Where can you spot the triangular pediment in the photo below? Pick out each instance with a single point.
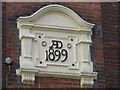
(55, 15)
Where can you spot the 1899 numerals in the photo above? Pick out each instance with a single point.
(55, 55)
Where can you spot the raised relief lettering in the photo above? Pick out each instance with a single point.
(57, 44)
(55, 52)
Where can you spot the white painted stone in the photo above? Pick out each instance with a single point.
(55, 22)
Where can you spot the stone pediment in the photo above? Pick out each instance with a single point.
(56, 16)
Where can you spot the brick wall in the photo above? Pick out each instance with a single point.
(110, 43)
(103, 50)
(0, 45)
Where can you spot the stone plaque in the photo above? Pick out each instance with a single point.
(55, 41)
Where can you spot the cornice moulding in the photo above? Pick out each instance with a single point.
(58, 8)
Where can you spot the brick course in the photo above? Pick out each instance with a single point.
(110, 43)
(103, 50)
(0, 45)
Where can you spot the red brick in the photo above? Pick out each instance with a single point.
(104, 48)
